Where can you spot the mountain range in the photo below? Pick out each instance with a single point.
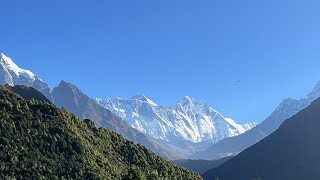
(188, 130)
(172, 132)
(40, 141)
(35, 134)
(291, 152)
(71, 98)
(188, 120)
(74, 100)
(235, 145)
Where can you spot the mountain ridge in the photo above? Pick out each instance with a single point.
(83, 106)
(74, 100)
(40, 141)
(12, 74)
(199, 121)
(290, 152)
(234, 145)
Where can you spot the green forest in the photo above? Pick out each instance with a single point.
(40, 141)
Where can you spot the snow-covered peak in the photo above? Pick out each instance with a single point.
(138, 96)
(8, 64)
(242, 128)
(143, 98)
(8, 61)
(186, 99)
(12, 74)
(190, 104)
(315, 93)
(188, 120)
(189, 100)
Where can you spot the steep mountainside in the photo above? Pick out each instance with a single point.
(234, 145)
(39, 141)
(70, 97)
(27, 93)
(78, 103)
(188, 120)
(291, 152)
(12, 74)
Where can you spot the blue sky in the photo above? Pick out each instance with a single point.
(169, 49)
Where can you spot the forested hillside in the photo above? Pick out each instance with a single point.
(40, 141)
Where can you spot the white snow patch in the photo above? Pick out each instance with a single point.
(11, 66)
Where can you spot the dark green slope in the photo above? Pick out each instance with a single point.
(27, 93)
(290, 153)
(39, 141)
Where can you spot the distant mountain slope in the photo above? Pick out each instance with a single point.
(80, 104)
(12, 74)
(70, 97)
(201, 166)
(39, 141)
(234, 145)
(291, 152)
(27, 93)
(188, 120)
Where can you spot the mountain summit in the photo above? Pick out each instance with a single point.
(141, 97)
(9, 65)
(188, 120)
(12, 74)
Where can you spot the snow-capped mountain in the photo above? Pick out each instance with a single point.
(12, 74)
(234, 145)
(71, 98)
(188, 120)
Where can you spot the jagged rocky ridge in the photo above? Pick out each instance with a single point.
(188, 120)
(74, 100)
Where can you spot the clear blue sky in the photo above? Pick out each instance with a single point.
(171, 48)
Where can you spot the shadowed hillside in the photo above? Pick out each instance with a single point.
(291, 152)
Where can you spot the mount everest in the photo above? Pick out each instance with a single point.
(188, 120)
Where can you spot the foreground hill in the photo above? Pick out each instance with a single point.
(291, 152)
(40, 141)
